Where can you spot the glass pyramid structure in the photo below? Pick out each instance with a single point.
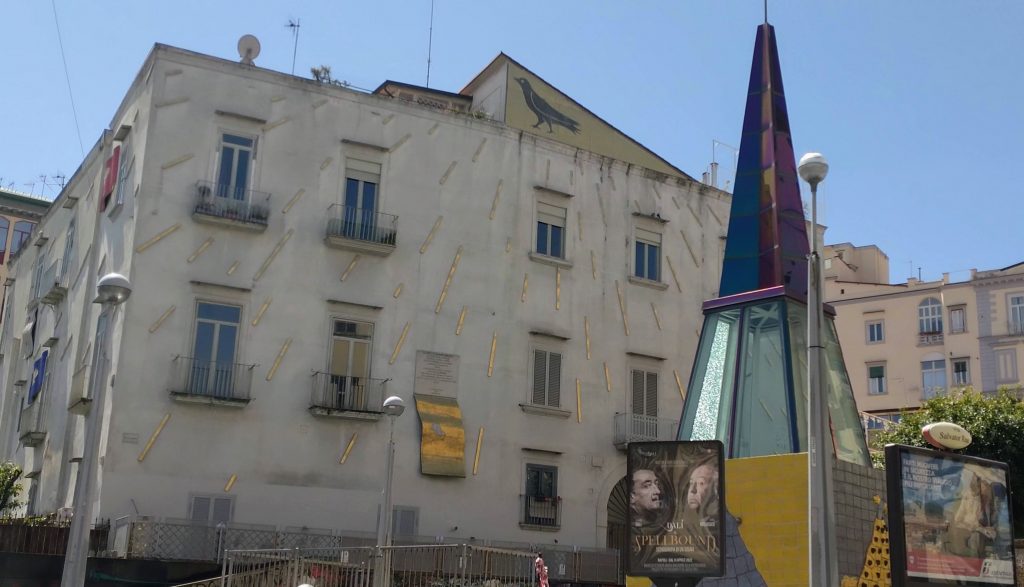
(748, 387)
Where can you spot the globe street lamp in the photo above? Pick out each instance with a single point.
(823, 564)
(111, 291)
(393, 408)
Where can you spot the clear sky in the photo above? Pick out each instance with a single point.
(917, 104)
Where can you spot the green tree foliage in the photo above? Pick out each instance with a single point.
(10, 489)
(996, 425)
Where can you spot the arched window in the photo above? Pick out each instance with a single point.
(929, 316)
(22, 230)
(5, 226)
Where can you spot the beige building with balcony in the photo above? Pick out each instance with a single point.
(906, 342)
(19, 214)
(526, 277)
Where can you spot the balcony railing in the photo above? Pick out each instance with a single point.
(361, 229)
(231, 206)
(929, 338)
(53, 284)
(1015, 327)
(33, 421)
(336, 395)
(640, 428)
(205, 381)
(541, 511)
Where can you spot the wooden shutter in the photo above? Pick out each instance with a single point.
(554, 380)
(638, 392)
(404, 521)
(200, 509)
(540, 369)
(221, 510)
(651, 395)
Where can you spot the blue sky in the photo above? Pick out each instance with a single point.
(918, 104)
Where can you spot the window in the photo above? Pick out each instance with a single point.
(540, 503)
(5, 227)
(1006, 365)
(957, 323)
(69, 250)
(647, 260)
(550, 230)
(933, 377)
(876, 331)
(961, 372)
(929, 316)
(236, 156)
(349, 368)
(644, 400)
(1016, 303)
(22, 232)
(405, 521)
(210, 509)
(109, 177)
(214, 349)
(876, 380)
(359, 208)
(547, 379)
(126, 165)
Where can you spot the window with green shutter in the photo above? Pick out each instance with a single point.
(876, 379)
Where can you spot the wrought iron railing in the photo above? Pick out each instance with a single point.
(232, 203)
(1015, 327)
(361, 224)
(640, 428)
(929, 338)
(212, 379)
(30, 536)
(541, 511)
(346, 393)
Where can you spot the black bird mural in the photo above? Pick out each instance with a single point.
(546, 114)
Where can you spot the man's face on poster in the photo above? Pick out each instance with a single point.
(646, 492)
(702, 484)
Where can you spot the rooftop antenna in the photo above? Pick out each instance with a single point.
(248, 49)
(430, 40)
(765, 11)
(294, 25)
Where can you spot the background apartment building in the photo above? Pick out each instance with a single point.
(19, 214)
(526, 277)
(907, 342)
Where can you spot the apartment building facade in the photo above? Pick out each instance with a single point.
(528, 280)
(19, 214)
(907, 342)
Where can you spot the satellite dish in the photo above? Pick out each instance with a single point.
(248, 49)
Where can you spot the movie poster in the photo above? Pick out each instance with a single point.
(954, 519)
(676, 508)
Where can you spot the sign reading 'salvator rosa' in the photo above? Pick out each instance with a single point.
(946, 435)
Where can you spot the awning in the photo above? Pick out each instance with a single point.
(443, 440)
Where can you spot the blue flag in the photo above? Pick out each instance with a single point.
(38, 376)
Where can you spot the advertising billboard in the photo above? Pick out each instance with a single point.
(676, 509)
(950, 520)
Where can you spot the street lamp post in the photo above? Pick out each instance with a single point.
(112, 290)
(823, 558)
(393, 408)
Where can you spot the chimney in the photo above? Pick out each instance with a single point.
(714, 174)
(705, 178)
(945, 278)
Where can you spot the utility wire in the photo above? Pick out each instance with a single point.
(74, 111)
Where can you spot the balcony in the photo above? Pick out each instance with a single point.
(342, 396)
(1015, 327)
(53, 285)
(361, 230)
(32, 430)
(640, 428)
(211, 382)
(231, 206)
(929, 338)
(540, 513)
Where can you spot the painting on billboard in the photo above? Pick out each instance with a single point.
(677, 511)
(950, 518)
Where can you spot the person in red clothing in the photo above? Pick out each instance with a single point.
(541, 570)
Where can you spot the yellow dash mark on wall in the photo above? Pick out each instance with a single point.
(348, 448)
(611, 179)
(261, 311)
(579, 401)
(273, 254)
(433, 129)
(160, 321)
(280, 357)
(163, 234)
(400, 142)
(234, 267)
(326, 162)
(526, 283)
(276, 99)
(448, 281)
(448, 172)
(572, 178)
(398, 291)
(579, 221)
(689, 249)
(479, 443)
(351, 265)
(675, 277)
(607, 378)
(497, 196)
(292, 201)
(494, 348)
(600, 204)
(558, 288)
(176, 162)
(508, 244)
(715, 216)
(547, 172)
(622, 308)
(657, 318)
(679, 384)
(153, 437)
(593, 265)
(476, 154)
(272, 125)
(319, 103)
(695, 215)
(676, 202)
(462, 319)
(430, 235)
(387, 119)
(398, 345)
(656, 192)
(230, 483)
(202, 248)
(173, 102)
(586, 334)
